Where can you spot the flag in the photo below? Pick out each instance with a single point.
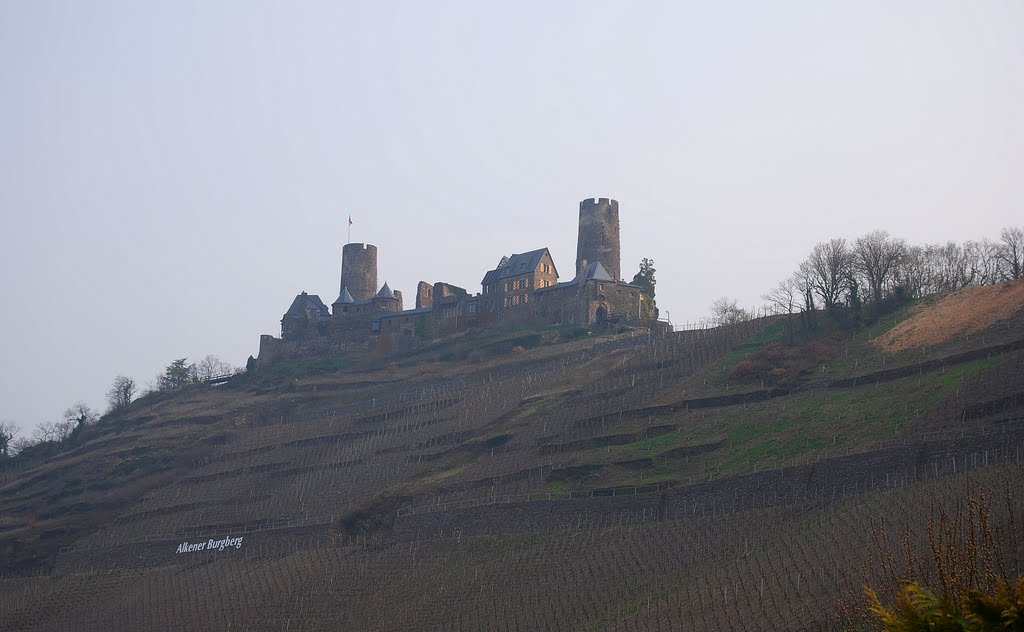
(349, 220)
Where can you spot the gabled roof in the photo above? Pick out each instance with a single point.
(385, 292)
(304, 302)
(593, 272)
(517, 264)
(345, 298)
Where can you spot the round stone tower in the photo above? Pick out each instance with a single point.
(359, 270)
(599, 235)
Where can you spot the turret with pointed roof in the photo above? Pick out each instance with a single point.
(345, 298)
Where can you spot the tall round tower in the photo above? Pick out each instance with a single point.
(599, 235)
(359, 270)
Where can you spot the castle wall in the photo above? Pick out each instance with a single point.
(359, 270)
(617, 299)
(561, 305)
(299, 327)
(579, 305)
(332, 338)
(453, 311)
(599, 235)
(527, 296)
(424, 295)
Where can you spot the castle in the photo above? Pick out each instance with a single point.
(522, 289)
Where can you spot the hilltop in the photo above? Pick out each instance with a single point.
(533, 478)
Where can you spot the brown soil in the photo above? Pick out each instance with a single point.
(965, 311)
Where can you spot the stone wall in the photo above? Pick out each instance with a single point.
(335, 337)
(359, 270)
(804, 485)
(579, 305)
(424, 295)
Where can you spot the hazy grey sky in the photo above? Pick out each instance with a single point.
(173, 173)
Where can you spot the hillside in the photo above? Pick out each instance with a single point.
(712, 479)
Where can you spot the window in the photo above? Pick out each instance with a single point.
(506, 301)
(545, 268)
(515, 299)
(526, 298)
(506, 286)
(526, 282)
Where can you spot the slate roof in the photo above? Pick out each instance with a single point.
(385, 292)
(346, 297)
(305, 302)
(594, 271)
(516, 265)
(406, 312)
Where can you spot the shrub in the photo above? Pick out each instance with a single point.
(959, 586)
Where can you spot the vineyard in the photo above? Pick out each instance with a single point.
(723, 478)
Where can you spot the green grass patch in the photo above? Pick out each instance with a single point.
(503, 347)
(656, 443)
(720, 371)
(796, 426)
(556, 487)
(781, 431)
(124, 467)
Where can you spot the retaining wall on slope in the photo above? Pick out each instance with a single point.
(817, 483)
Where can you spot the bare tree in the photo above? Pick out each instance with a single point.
(64, 429)
(785, 295)
(1012, 251)
(53, 431)
(726, 311)
(121, 393)
(19, 444)
(951, 267)
(828, 270)
(44, 432)
(8, 431)
(877, 257)
(984, 260)
(913, 273)
(212, 366)
(80, 415)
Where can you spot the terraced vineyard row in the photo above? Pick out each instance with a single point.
(770, 568)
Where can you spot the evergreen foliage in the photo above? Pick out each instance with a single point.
(646, 281)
